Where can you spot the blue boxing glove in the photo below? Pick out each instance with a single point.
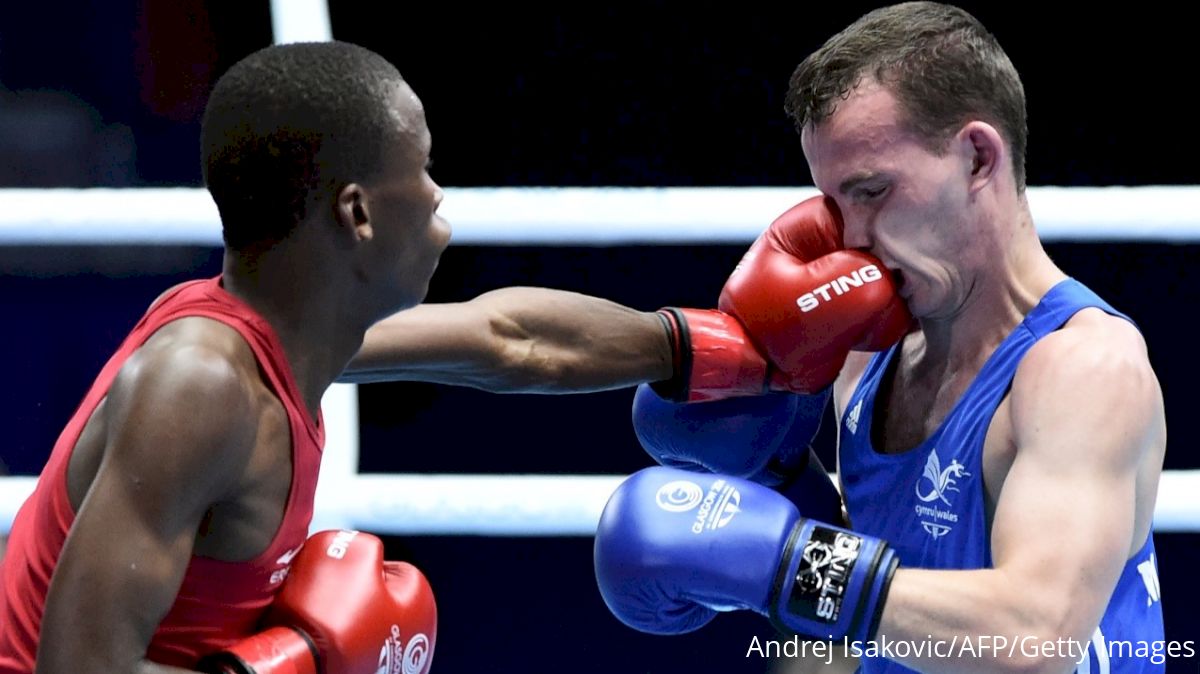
(762, 438)
(736, 436)
(675, 547)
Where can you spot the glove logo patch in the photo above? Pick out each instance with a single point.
(824, 572)
(679, 496)
(395, 658)
(341, 544)
(416, 656)
(717, 506)
(841, 285)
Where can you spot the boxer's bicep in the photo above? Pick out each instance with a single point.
(179, 430)
(517, 340)
(1082, 416)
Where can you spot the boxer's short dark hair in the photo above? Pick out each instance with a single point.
(943, 66)
(289, 120)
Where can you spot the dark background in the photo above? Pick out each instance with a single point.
(647, 94)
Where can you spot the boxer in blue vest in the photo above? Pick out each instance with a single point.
(998, 465)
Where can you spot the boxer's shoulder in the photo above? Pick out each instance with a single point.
(1093, 371)
(196, 379)
(1096, 324)
(1092, 343)
(204, 352)
(165, 294)
(198, 332)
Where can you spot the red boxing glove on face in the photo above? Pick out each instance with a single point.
(343, 601)
(807, 302)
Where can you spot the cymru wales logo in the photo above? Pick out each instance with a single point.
(936, 484)
(940, 480)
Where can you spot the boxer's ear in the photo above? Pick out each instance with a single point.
(351, 212)
(983, 150)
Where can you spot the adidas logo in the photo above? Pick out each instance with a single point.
(852, 418)
(1149, 572)
(285, 559)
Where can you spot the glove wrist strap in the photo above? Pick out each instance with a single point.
(676, 388)
(276, 650)
(832, 583)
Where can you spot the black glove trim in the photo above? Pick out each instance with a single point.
(883, 594)
(676, 388)
(781, 577)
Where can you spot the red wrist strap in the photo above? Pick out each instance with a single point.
(276, 650)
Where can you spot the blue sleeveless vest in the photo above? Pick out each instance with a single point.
(929, 502)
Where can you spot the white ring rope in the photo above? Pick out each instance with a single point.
(537, 505)
(574, 216)
(532, 505)
(300, 21)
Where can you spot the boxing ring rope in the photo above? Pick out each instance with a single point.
(543, 505)
(575, 216)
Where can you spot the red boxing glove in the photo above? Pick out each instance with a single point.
(808, 302)
(342, 610)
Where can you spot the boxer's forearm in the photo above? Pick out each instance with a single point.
(975, 621)
(531, 340)
(557, 341)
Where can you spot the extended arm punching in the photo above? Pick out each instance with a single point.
(540, 340)
(532, 340)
